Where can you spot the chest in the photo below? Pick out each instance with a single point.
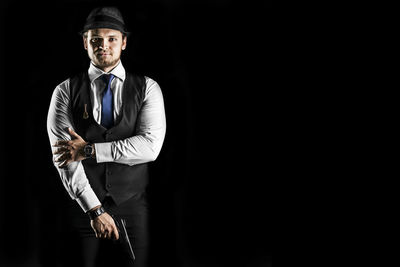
(130, 101)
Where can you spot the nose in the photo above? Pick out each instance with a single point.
(104, 44)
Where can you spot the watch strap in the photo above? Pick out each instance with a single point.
(95, 213)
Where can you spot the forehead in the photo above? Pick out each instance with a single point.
(104, 32)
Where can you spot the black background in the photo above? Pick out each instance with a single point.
(210, 188)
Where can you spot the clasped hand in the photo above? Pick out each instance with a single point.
(104, 227)
(71, 150)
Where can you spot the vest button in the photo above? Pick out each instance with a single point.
(109, 172)
(109, 186)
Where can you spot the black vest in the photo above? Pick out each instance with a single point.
(120, 181)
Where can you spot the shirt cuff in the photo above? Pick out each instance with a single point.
(103, 152)
(88, 200)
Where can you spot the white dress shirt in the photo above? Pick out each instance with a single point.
(141, 148)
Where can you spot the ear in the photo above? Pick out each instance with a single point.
(85, 42)
(124, 41)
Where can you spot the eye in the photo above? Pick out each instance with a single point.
(94, 40)
(112, 39)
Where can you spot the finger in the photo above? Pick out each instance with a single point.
(64, 164)
(102, 231)
(65, 156)
(115, 232)
(61, 142)
(109, 234)
(58, 151)
(99, 234)
(60, 159)
(105, 233)
(61, 150)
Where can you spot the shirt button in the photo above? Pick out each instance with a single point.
(109, 172)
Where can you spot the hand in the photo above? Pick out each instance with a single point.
(104, 227)
(70, 151)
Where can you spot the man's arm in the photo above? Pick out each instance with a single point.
(59, 128)
(150, 133)
(73, 176)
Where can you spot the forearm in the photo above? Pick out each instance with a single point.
(131, 151)
(77, 185)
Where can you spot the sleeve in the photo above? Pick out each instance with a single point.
(73, 176)
(146, 145)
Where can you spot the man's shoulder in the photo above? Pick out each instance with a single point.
(141, 77)
(78, 80)
(136, 79)
(131, 74)
(71, 77)
(78, 76)
(64, 85)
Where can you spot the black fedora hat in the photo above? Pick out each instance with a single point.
(105, 17)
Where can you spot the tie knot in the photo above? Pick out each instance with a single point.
(107, 78)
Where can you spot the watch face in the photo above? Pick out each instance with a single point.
(88, 150)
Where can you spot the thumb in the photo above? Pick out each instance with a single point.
(73, 133)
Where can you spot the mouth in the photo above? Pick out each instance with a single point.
(103, 54)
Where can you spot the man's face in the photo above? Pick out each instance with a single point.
(104, 47)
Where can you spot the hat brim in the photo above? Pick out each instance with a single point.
(106, 25)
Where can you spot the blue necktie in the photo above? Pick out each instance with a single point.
(107, 117)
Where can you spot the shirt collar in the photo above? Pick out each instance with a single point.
(94, 72)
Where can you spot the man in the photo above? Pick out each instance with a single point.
(104, 126)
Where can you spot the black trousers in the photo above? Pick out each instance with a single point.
(82, 248)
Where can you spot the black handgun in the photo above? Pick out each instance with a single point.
(123, 236)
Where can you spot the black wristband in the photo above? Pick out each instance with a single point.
(95, 213)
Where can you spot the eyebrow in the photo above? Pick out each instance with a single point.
(98, 36)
